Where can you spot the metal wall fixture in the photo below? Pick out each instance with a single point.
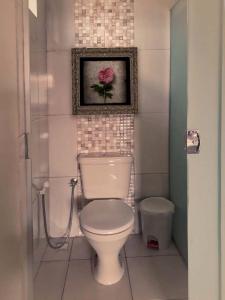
(193, 141)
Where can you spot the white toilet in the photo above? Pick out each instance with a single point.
(107, 220)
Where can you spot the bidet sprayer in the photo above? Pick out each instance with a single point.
(73, 182)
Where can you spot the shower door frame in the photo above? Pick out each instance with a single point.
(27, 121)
(222, 158)
(204, 169)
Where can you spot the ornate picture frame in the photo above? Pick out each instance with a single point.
(104, 81)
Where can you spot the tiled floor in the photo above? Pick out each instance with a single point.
(149, 274)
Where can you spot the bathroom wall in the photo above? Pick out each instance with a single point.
(98, 23)
(39, 122)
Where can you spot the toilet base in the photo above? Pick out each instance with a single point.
(107, 266)
(107, 274)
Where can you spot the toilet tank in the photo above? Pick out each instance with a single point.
(105, 176)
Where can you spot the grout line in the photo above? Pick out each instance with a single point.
(69, 257)
(65, 281)
(60, 50)
(176, 299)
(54, 260)
(128, 275)
(158, 255)
(151, 173)
(74, 259)
(59, 177)
(38, 269)
(153, 49)
(124, 247)
(41, 260)
(45, 251)
(67, 271)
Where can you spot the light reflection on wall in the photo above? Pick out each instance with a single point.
(33, 7)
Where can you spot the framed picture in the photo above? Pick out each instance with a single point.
(104, 80)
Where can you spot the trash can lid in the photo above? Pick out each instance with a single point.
(157, 205)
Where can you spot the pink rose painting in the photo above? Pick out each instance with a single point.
(104, 87)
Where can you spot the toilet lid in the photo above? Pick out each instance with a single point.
(106, 216)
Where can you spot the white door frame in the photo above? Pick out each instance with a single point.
(204, 101)
(26, 87)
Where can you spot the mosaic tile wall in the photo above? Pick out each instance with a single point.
(100, 23)
(109, 23)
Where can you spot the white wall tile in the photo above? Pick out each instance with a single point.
(62, 146)
(20, 63)
(41, 25)
(154, 69)
(151, 143)
(39, 242)
(34, 98)
(37, 184)
(38, 27)
(44, 147)
(59, 207)
(60, 24)
(33, 32)
(35, 147)
(152, 24)
(59, 83)
(39, 147)
(147, 185)
(42, 83)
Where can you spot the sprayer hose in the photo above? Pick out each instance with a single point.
(66, 235)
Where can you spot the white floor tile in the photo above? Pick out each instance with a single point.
(135, 247)
(39, 247)
(58, 254)
(161, 278)
(80, 285)
(50, 280)
(81, 249)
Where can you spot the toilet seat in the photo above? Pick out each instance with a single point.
(109, 216)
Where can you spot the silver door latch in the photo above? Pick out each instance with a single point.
(192, 141)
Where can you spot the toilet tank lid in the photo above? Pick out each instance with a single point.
(104, 158)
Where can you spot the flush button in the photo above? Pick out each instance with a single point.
(192, 141)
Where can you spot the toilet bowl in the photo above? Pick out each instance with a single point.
(106, 224)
